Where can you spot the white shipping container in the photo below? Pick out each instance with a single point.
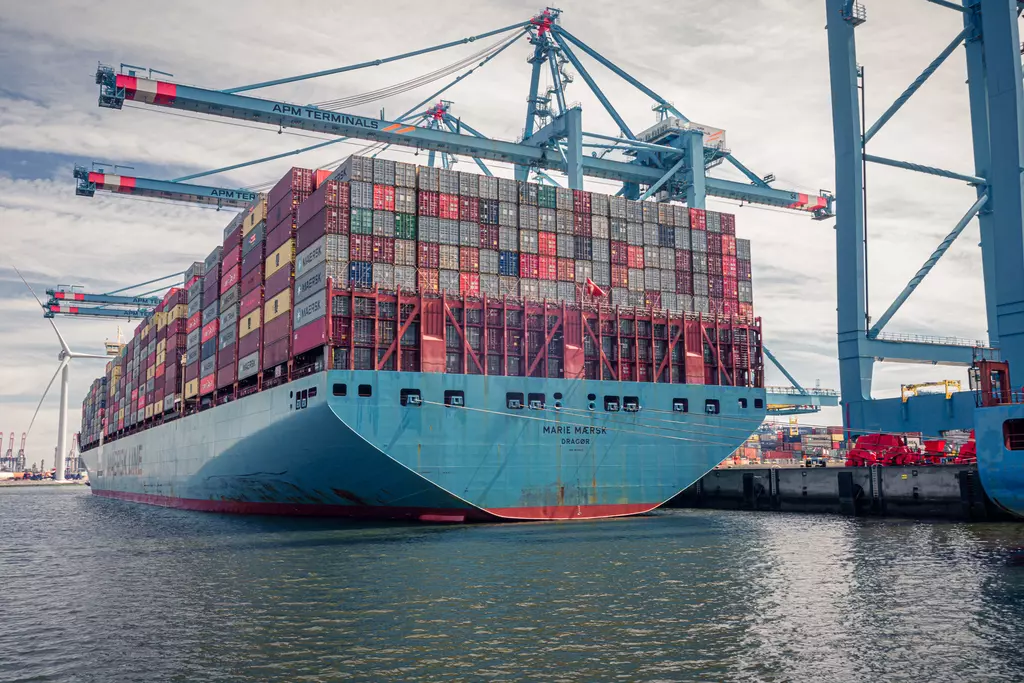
(599, 225)
(508, 216)
(449, 231)
(652, 278)
(618, 229)
(682, 238)
(667, 257)
(650, 234)
(699, 261)
(563, 222)
(602, 251)
(634, 211)
(530, 288)
(563, 199)
(666, 216)
(449, 281)
(617, 207)
(508, 239)
(383, 172)
(746, 291)
(701, 304)
(650, 211)
(449, 256)
(405, 175)
(637, 299)
(405, 278)
(384, 275)
(469, 184)
(599, 204)
(405, 252)
(384, 223)
(668, 280)
(635, 234)
(511, 286)
(546, 219)
(488, 187)
(508, 190)
(361, 194)
(528, 241)
(447, 181)
(602, 274)
(584, 270)
(548, 289)
(742, 249)
(356, 168)
(469, 234)
(565, 246)
(567, 291)
(490, 285)
(427, 178)
(489, 261)
(700, 285)
(682, 215)
(429, 228)
(686, 302)
(636, 279)
(698, 240)
(714, 221)
(619, 296)
(528, 217)
(652, 258)
(405, 199)
(670, 302)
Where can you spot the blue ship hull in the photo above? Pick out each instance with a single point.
(370, 456)
(1000, 468)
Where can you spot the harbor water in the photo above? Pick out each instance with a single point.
(102, 590)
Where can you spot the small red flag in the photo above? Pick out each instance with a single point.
(593, 290)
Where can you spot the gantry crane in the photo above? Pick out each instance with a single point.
(19, 463)
(9, 456)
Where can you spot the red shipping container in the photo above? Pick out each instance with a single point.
(159, 372)
(208, 384)
(320, 176)
(547, 244)
(428, 203)
(581, 223)
(729, 266)
(278, 236)
(310, 336)
(746, 310)
(730, 307)
(226, 375)
(330, 220)
(683, 261)
(332, 193)
(252, 279)
(581, 201)
(428, 279)
(232, 257)
(469, 283)
(448, 206)
(715, 264)
(619, 253)
(383, 250)
(194, 322)
(278, 282)
(529, 266)
(210, 330)
(729, 244)
(729, 224)
(548, 268)
(276, 352)
(730, 290)
(250, 343)
(698, 219)
(489, 236)
(230, 278)
(361, 247)
(684, 283)
(635, 257)
(383, 198)
(429, 255)
(566, 269)
(469, 260)
(652, 298)
(279, 327)
(250, 302)
(297, 179)
(469, 210)
(620, 276)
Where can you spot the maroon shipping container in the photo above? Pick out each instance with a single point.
(279, 281)
(469, 259)
(250, 302)
(581, 201)
(328, 221)
(278, 236)
(332, 193)
(276, 353)
(226, 375)
(297, 179)
(251, 260)
(309, 336)
(252, 279)
(428, 203)
(209, 296)
(174, 327)
(226, 355)
(192, 372)
(361, 247)
(489, 236)
(383, 250)
(429, 255)
(581, 222)
(234, 237)
(281, 326)
(469, 209)
(250, 343)
(619, 253)
(287, 218)
(232, 257)
(683, 262)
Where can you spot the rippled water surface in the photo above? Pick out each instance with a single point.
(101, 590)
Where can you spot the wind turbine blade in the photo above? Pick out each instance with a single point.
(60, 366)
(60, 337)
(89, 355)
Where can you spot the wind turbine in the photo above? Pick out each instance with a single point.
(65, 357)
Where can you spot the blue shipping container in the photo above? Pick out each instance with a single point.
(489, 211)
(208, 349)
(508, 263)
(360, 274)
(666, 236)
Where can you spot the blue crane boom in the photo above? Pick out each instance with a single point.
(91, 180)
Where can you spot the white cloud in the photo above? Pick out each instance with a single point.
(758, 69)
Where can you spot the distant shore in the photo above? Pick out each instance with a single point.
(43, 482)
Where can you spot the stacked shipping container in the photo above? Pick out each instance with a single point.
(267, 297)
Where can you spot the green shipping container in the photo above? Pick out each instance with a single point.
(361, 222)
(405, 226)
(546, 196)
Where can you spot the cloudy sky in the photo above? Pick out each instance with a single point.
(757, 68)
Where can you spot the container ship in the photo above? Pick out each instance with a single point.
(391, 341)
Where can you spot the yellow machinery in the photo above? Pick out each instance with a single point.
(950, 385)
